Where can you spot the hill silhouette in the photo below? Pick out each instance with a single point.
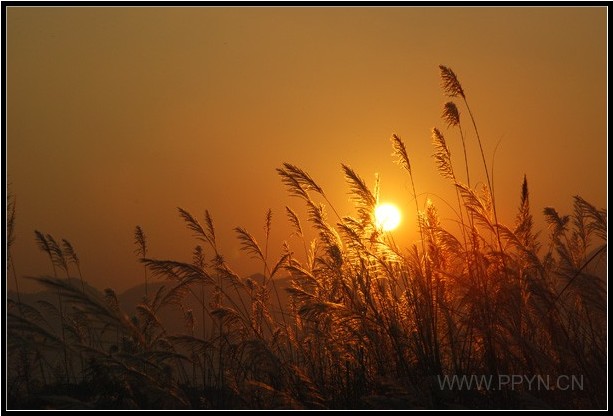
(172, 316)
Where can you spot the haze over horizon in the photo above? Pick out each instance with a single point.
(117, 116)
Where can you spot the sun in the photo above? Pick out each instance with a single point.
(387, 217)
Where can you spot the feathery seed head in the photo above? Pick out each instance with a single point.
(402, 158)
(451, 115)
(450, 83)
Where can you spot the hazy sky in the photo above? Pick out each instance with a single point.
(117, 116)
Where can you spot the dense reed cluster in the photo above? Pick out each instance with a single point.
(345, 320)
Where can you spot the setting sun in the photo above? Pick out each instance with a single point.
(387, 217)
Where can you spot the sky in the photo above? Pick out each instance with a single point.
(117, 116)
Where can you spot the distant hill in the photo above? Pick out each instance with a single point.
(31, 298)
(172, 316)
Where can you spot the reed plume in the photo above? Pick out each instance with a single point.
(140, 240)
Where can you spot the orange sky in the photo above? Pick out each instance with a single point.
(116, 116)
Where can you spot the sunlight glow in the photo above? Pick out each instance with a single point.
(387, 217)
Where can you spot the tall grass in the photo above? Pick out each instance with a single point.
(10, 238)
(140, 240)
(349, 319)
